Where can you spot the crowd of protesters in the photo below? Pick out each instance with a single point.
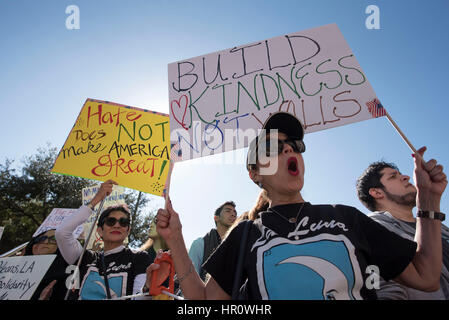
(282, 248)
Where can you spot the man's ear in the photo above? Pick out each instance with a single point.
(254, 176)
(216, 218)
(376, 193)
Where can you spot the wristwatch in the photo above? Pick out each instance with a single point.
(431, 215)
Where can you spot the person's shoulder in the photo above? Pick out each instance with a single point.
(379, 215)
(211, 231)
(198, 241)
(240, 227)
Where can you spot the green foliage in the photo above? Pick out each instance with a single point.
(141, 218)
(28, 196)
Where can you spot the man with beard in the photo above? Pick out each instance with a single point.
(391, 197)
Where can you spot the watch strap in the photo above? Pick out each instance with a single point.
(431, 215)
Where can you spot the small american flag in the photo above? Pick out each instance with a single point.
(376, 109)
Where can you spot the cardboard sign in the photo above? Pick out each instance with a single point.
(116, 197)
(20, 276)
(113, 141)
(219, 100)
(54, 219)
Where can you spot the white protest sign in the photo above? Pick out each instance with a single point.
(55, 218)
(115, 198)
(20, 276)
(218, 101)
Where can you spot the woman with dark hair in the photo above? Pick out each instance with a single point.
(52, 285)
(298, 250)
(115, 271)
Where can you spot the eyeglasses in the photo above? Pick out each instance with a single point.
(297, 145)
(43, 238)
(111, 221)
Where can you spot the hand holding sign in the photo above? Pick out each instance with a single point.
(103, 192)
(430, 180)
(168, 225)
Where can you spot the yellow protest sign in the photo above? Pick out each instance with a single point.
(113, 141)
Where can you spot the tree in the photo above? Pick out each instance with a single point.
(27, 198)
(137, 203)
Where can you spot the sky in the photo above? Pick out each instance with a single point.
(121, 51)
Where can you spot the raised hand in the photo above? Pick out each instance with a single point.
(430, 181)
(105, 190)
(168, 225)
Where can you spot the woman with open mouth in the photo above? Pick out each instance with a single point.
(299, 250)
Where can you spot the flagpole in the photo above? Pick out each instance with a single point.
(400, 132)
(166, 192)
(376, 108)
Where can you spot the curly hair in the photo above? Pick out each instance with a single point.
(370, 178)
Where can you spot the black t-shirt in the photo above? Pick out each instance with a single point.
(329, 259)
(121, 268)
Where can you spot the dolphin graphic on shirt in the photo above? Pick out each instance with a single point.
(93, 286)
(323, 267)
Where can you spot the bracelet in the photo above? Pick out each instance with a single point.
(186, 275)
(431, 215)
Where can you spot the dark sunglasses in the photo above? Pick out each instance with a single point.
(111, 221)
(297, 145)
(51, 239)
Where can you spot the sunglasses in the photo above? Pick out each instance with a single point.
(51, 239)
(297, 145)
(111, 221)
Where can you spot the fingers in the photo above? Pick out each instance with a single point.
(430, 165)
(149, 271)
(419, 156)
(436, 171)
(151, 268)
(163, 218)
(108, 185)
(51, 285)
(46, 293)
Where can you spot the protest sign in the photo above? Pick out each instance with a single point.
(122, 143)
(1, 232)
(219, 100)
(116, 197)
(20, 276)
(54, 219)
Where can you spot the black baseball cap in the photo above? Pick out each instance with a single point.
(282, 121)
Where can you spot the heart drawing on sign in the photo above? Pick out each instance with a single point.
(179, 110)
